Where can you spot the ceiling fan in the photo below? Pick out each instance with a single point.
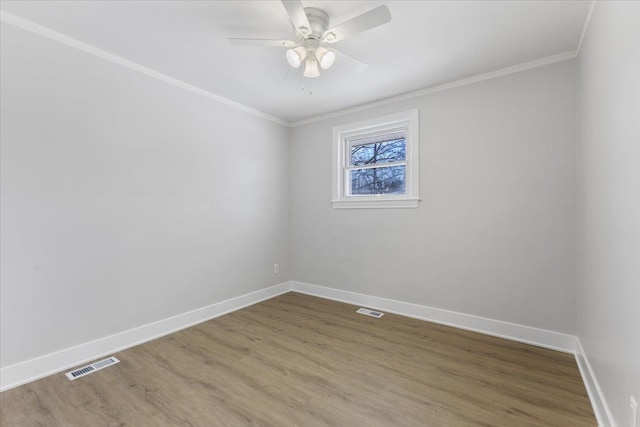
(313, 34)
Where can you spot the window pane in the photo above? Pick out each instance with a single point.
(389, 180)
(379, 152)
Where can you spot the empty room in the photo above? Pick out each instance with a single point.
(320, 213)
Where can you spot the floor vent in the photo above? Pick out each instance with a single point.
(86, 370)
(371, 313)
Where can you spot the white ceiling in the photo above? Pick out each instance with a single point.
(427, 43)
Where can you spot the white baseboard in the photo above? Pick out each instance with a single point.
(526, 334)
(598, 401)
(33, 369)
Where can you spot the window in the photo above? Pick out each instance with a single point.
(376, 163)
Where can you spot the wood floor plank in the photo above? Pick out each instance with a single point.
(297, 360)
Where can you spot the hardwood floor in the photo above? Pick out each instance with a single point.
(297, 360)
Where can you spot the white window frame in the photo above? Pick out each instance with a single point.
(341, 155)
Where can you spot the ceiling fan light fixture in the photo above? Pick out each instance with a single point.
(312, 29)
(296, 56)
(325, 57)
(311, 68)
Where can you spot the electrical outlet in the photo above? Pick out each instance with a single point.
(276, 268)
(633, 420)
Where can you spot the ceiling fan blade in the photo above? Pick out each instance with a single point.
(298, 16)
(378, 16)
(262, 42)
(359, 64)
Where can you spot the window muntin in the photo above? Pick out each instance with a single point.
(376, 162)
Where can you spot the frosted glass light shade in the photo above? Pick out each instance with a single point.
(325, 57)
(296, 56)
(311, 68)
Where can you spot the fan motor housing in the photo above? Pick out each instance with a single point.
(319, 21)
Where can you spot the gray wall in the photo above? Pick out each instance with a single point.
(609, 202)
(126, 200)
(494, 235)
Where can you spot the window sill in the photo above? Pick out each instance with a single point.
(375, 204)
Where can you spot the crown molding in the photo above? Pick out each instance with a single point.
(585, 26)
(92, 50)
(450, 85)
